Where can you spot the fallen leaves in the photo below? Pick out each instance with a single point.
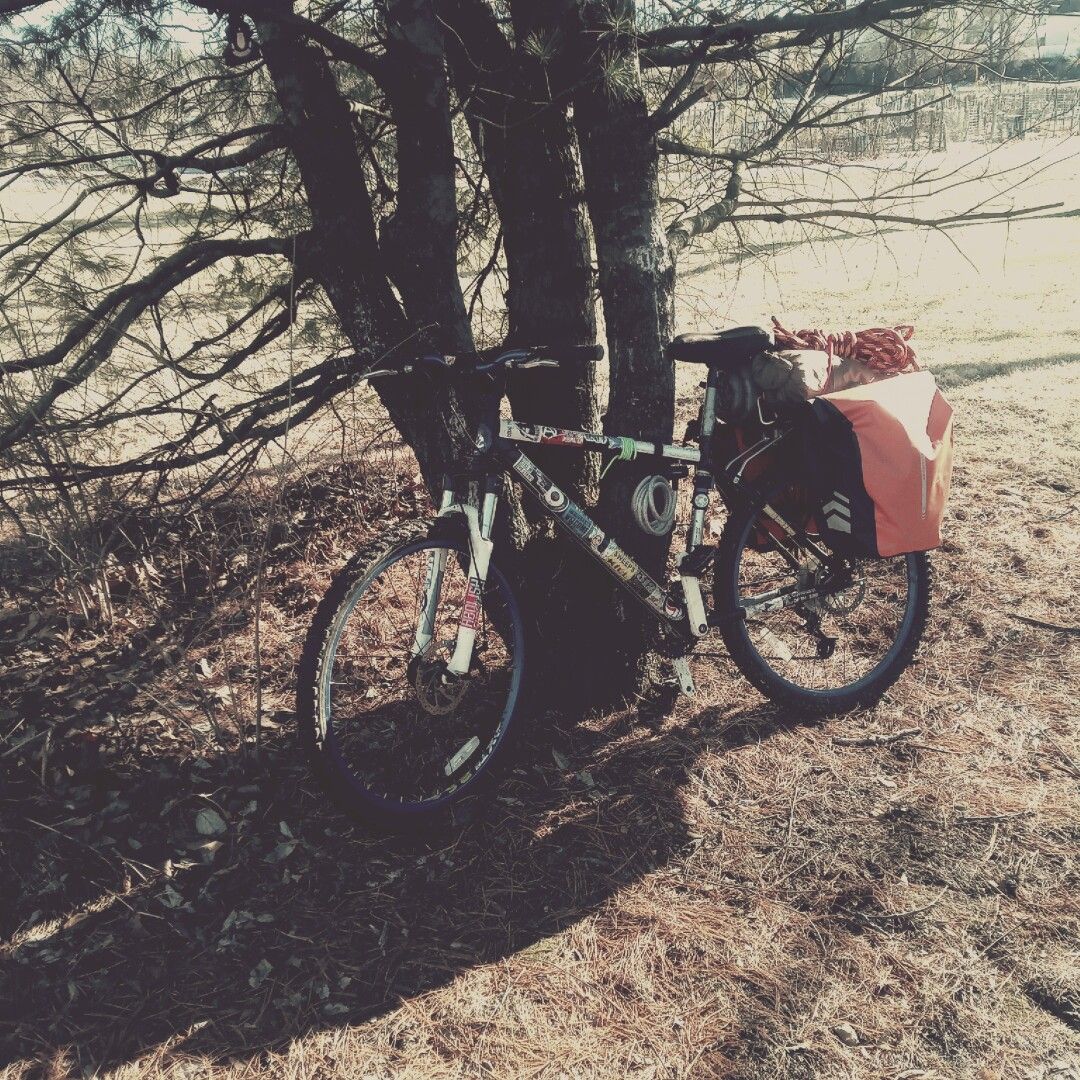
(260, 973)
(208, 822)
(846, 1033)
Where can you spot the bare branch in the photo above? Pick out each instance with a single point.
(114, 314)
(962, 217)
(682, 231)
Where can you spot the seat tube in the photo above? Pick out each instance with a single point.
(703, 479)
(688, 565)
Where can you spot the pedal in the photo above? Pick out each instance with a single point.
(696, 562)
(683, 676)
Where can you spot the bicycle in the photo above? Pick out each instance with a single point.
(412, 671)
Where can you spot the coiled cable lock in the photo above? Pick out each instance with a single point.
(653, 505)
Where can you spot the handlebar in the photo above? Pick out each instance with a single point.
(489, 360)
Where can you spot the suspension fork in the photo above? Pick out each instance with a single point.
(433, 579)
(479, 523)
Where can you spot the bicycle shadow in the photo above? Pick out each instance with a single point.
(294, 921)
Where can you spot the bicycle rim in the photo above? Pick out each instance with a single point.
(838, 640)
(402, 733)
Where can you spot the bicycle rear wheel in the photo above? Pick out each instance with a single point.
(399, 739)
(847, 639)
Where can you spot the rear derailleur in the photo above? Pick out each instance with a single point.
(839, 591)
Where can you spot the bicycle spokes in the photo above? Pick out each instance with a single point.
(404, 725)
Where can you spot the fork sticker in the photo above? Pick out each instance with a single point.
(470, 611)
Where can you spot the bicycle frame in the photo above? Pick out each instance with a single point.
(685, 616)
(688, 616)
(573, 519)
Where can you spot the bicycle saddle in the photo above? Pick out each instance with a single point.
(723, 348)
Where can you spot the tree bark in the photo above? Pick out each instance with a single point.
(345, 251)
(546, 231)
(566, 598)
(521, 127)
(420, 242)
(636, 273)
(528, 148)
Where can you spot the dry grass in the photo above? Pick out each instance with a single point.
(725, 891)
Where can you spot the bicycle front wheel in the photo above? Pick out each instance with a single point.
(824, 641)
(398, 738)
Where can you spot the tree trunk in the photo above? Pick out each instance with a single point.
(579, 648)
(346, 257)
(420, 242)
(546, 232)
(637, 277)
(528, 147)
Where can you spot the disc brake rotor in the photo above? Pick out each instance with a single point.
(438, 691)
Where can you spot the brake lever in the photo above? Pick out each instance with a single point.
(502, 361)
(405, 370)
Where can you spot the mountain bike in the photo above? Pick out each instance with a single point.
(410, 682)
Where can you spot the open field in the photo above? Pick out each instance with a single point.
(723, 891)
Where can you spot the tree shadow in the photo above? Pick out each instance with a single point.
(953, 376)
(293, 920)
(162, 893)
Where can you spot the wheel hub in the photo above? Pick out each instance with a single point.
(840, 589)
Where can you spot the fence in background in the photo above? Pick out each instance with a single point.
(924, 120)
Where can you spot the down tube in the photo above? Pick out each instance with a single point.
(586, 532)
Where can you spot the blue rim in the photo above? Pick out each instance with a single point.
(342, 617)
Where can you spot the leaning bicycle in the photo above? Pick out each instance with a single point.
(411, 677)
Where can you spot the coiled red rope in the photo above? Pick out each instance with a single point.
(882, 348)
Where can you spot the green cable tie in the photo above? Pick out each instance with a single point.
(627, 452)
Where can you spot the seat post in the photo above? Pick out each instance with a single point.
(707, 418)
(703, 479)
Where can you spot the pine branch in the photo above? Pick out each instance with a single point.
(112, 316)
(676, 46)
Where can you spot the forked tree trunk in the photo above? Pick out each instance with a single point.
(580, 651)
(517, 99)
(521, 127)
(345, 255)
(419, 251)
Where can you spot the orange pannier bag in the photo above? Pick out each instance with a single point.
(880, 459)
